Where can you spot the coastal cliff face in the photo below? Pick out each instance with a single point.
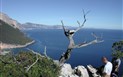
(13, 23)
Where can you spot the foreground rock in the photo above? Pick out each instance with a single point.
(93, 71)
(67, 71)
(81, 71)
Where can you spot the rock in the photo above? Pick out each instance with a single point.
(93, 71)
(81, 71)
(10, 21)
(67, 71)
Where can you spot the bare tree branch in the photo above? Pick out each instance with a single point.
(45, 52)
(65, 56)
(28, 68)
(81, 25)
(35, 52)
(37, 56)
(97, 40)
(70, 33)
(16, 60)
(63, 25)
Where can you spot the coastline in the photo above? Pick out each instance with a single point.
(9, 46)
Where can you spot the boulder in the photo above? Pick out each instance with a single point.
(67, 71)
(93, 71)
(81, 71)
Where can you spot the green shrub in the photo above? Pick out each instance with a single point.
(16, 65)
(117, 49)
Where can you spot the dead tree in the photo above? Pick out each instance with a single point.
(70, 33)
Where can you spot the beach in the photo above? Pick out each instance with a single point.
(9, 46)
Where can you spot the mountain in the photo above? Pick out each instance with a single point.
(39, 26)
(12, 35)
(10, 21)
(29, 26)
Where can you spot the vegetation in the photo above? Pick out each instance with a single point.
(16, 65)
(117, 49)
(10, 35)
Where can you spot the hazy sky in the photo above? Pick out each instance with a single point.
(104, 13)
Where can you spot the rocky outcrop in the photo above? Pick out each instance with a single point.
(79, 71)
(10, 21)
(67, 71)
(93, 71)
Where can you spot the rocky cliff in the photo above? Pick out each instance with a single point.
(79, 71)
(4, 17)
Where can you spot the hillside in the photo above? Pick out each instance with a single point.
(28, 25)
(17, 65)
(11, 35)
(4, 17)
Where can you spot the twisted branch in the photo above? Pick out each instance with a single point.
(70, 33)
(32, 64)
(45, 53)
(37, 54)
(81, 25)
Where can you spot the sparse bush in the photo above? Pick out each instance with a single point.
(117, 49)
(16, 65)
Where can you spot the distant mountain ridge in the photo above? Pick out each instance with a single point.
(27, 26)
(41, 26)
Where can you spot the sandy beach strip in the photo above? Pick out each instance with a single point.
(9, 46)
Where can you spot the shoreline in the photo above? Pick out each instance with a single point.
(9, 46)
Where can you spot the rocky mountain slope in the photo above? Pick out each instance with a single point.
(27, 26)
(10, 21)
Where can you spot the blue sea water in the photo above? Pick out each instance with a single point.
(56, 43)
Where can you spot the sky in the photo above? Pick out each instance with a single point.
(104, 14)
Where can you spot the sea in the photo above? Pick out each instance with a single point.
(56, 43)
